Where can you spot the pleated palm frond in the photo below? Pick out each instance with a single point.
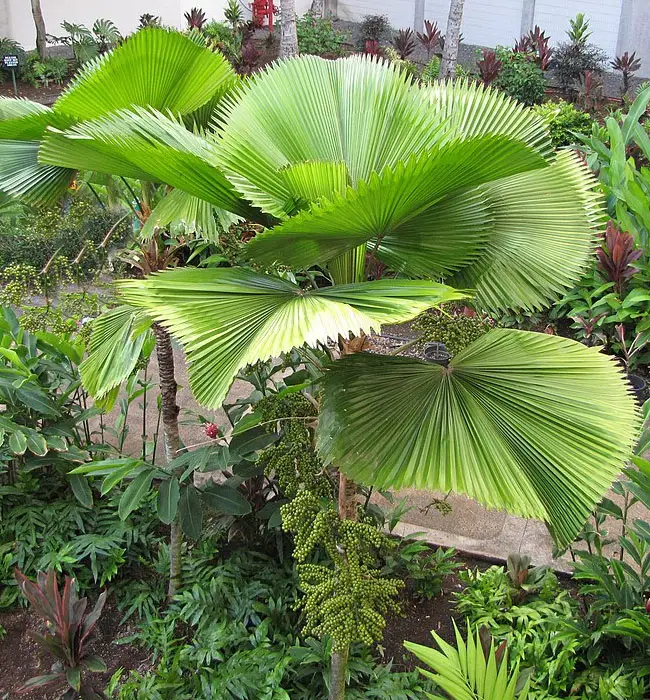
(195, 215)
(227, 318)
(154, 68)
(116, 342)
(472, 670)
(535, 424)
(146, 144)
(431, 180)
(21, 175)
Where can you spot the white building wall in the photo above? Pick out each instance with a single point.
(605, 15)
(17, 23)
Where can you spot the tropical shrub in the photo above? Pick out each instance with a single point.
(317, 36)
(520, 77)
(474, 669)
(374, 28)
(43, 71)
(67, 630)
(565, 122)
(575, 58)
(77, 226)
(332, 195)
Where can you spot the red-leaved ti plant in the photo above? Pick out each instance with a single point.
(67, 631)
(615, 258)
(489, 67)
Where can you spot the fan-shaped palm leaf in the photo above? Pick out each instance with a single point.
(536, 424)
(357, 111)
(21, 175)
(227, 318)
(115, 346)
(395, 198)
(156, 147)
(155, 68)
(178, 208)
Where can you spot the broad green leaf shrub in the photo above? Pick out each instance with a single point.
(318, 36)
(520, 77)
(564, 122)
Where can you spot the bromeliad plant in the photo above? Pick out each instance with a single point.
(359, 166)
(68, 629)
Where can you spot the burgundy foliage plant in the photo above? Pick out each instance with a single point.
(617, 255)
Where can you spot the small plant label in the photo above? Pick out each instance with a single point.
(10, 62)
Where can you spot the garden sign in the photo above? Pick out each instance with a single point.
(11, 62)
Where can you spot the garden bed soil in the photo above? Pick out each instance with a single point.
(22, 658)
(419, 617)
(42, 94)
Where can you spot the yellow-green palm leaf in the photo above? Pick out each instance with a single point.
(227, 318)
(535, 424)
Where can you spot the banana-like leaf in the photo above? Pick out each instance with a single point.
(536, 424)
(227, 318)
(397, 199)
(194, 214)
(154, 68)
(155, 146)
(115, 345)
(21, 175)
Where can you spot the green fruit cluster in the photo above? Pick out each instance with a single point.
(455, 330)
(345, 597)
(292, 460)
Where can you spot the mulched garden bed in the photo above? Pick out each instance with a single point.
(22, 658)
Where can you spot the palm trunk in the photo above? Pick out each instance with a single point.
(452, 40)
(339, 673)
(170, 411)
(289, 35)
(41, 34)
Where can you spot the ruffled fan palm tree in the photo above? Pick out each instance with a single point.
(347, 163)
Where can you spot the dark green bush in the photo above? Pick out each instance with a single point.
(572, 59)
(374, 28)
(64, 231)
(317, 36)
(564, 120)
(13, 48)
(520, 77)
(43, 71)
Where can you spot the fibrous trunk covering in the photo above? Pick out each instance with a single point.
(170, 411)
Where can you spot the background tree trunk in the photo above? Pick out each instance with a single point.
(41, 39)
(318, 8)
(452, 39)
(170, 411)
(289, 36)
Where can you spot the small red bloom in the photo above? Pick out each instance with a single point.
(212, 430)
